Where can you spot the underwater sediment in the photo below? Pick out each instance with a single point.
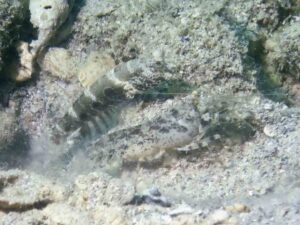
(149, 112)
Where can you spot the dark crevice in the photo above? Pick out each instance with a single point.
(65, 30)
(6, 88)
(7, 208)
(20, 30)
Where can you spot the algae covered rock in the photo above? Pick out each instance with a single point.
(172, 32)
(12, 16)
(283, 53)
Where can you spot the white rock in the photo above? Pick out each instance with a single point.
(47, 16)
(218, 217)
(182, 209)
(270, 131)
(22, 70)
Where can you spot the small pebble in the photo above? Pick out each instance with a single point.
(238, 208)
(218, 217)
(269, 131)
(182, 209)
(268, 107)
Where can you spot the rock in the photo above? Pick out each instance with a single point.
(218, 217)
(114, 215)
(182, 210)
(99, 189)
(295, 92)
(268, 107)
(185, 220)
(131, 40)
(63, 214)
(25, 218)
(47, 16)
(22, 70)
(238, 208)
(56, 213)
(270, 131)
(215, 218)
(59, 63)
(151, 196)
(188, 148)
(22, 191)
(12, 14)
(282, 61)
(96, 65)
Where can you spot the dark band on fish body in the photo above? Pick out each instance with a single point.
(95, 104)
